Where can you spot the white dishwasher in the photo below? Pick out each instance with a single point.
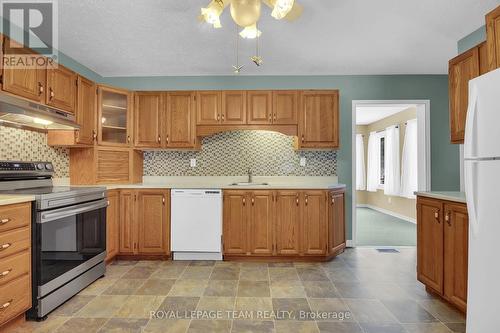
(196, 224)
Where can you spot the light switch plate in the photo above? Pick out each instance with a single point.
(303, 161)
(192, 162)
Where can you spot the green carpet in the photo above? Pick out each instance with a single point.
(379, 229)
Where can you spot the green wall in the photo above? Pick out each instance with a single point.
(472, 40)
(444, 156)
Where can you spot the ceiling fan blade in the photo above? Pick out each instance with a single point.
(295, 12)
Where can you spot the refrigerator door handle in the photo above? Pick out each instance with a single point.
(471, 194)
(470, 123)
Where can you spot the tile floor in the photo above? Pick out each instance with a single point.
(372, 292)
(378, 229)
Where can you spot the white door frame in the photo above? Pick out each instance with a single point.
(424, 155)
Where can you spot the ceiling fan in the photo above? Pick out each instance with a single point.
(246, 13)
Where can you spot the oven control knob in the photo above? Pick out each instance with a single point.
(48, 166)
(40, 166)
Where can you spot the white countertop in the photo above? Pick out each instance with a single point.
(7, 199)
(224, 182)
(444, 195)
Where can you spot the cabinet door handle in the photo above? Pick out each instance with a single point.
(297, 199)
(275, 117)
(223, 118)
(5, 246)
(163, 201)
(128, 138)
(447, 218)
(51, 93)
(270, 118)
(244, 201)
(167, 139)
(159, 138)
(253, 201)
(302, 138)
(306, 197)
(40, 88)
(6, 305)
(5, 273)
(4, 221)
(94, 135)
(436, 216)
(218, 117)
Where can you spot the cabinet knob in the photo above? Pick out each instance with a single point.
(436, 215)
(128, 138)
(4, 221)
(253, 201)
(40, 88)
(333, 200)
(447, 218)
(297, 199)
(51, 93)
(218, 117)
(223, 118)
(94, 135)
(5, 273)
(159, 138)
(167, 138)
(5, 246)
(275, 117)
(306, 197)
(163, 201)
(302, 138)
(6, 305)
(244, 201)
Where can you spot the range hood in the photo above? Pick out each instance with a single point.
(24, 113)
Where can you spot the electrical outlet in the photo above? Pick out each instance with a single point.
(192, 162)
(303, 161)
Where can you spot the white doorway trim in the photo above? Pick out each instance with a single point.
(424, 155)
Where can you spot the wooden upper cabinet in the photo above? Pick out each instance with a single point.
(209, 111)
(153, 219)
(25, 82)
(86, 112)
(148, 116)
(259, 107)
(493, 38)
(127, 225)
(112, 224)
(461, 69)
(456, 236)
(430, 255)
(483, 58)
(288, 223)
(61, 88)
(180, 120)
(314, 223)
(261, 222)
(285, 104)
(114, 119)
(235, 229)
(319, 119)
(336, 215)
(234, 107)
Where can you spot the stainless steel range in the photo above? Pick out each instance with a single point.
(68, 233)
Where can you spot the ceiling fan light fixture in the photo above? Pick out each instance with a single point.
(211, 14)
(282, 8)
(250, 32)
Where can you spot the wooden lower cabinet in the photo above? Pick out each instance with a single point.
(281, 223)
(442, 249)
(144, 227)
(15, 261)
(112, 224)
(336, 218)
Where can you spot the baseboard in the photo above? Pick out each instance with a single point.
(388, 212)
(349, 243)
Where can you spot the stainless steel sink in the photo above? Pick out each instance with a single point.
(248, 184)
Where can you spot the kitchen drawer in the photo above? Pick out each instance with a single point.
(15, 216)
(14, 241)
(14, 266)
(15, 298)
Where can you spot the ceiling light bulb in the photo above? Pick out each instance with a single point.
(42, 121)
(282, 8)
(250, 32)
(211, 14)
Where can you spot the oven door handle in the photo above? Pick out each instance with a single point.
(72, 210)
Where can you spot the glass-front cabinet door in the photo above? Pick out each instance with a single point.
(115, 116)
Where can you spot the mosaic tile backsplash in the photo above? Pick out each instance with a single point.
(23, 145)
(233, 153)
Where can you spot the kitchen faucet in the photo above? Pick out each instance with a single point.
(250, 178)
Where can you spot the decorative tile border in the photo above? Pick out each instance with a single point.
(233, 153)
(23, 145)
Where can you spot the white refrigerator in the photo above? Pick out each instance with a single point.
(482, 189)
